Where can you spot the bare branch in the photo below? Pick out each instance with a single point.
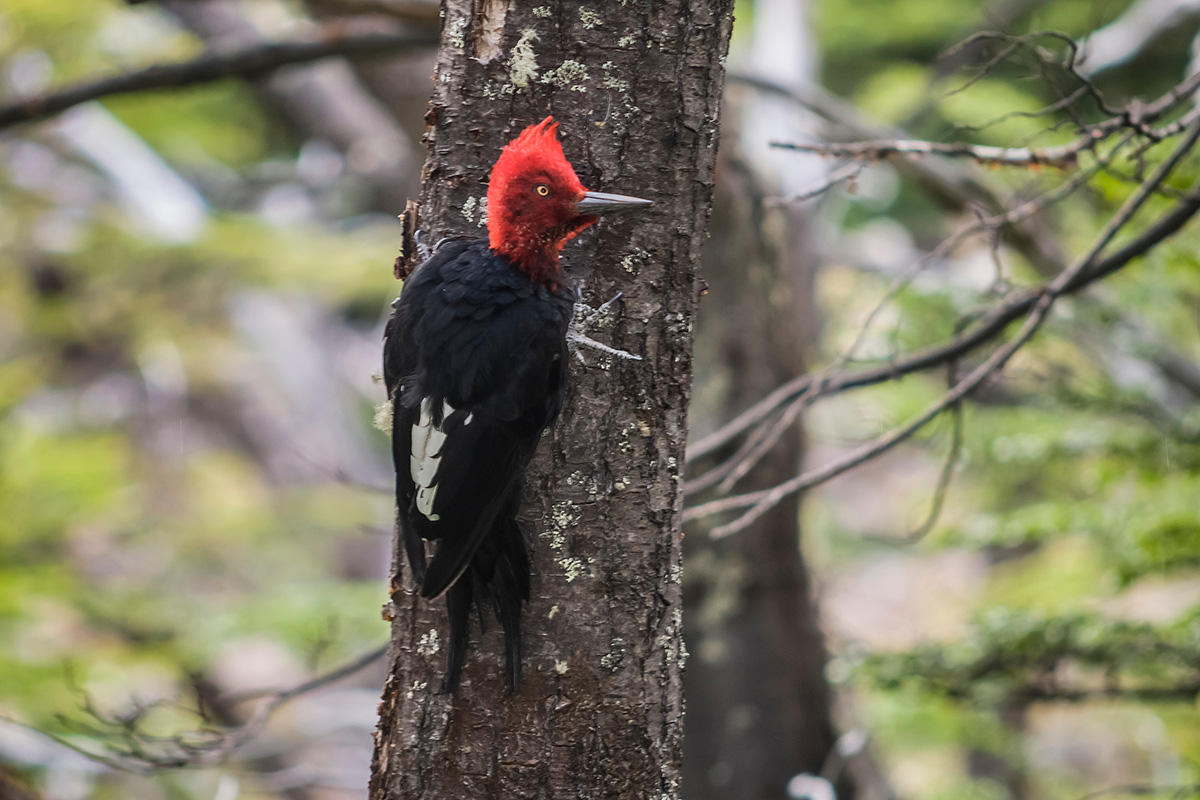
(128, 748)
(829, 379)
(330, 42)
(1145, 790)
(846, 173)
(943, 485)
(1063, 156)
(989, 325)
(1088, 267)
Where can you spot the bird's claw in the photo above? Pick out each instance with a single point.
(577, 338)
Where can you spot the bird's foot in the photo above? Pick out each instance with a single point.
(577, 337)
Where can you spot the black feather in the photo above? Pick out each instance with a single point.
(482, 350)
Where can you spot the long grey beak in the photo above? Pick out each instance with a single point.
(601, 203)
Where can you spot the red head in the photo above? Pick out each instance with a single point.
(536, 203)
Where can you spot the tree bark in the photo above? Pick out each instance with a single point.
(636, 86)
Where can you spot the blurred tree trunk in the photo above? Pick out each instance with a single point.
(759, 702)
(11, 789)
(637, 88)
(759, 705)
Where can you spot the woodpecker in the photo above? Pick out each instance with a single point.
(475, 363)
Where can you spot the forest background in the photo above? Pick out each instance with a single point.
(193, 282)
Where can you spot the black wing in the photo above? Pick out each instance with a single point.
(475, 363)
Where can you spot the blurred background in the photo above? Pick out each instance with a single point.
(194, 500)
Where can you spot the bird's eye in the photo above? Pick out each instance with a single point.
(543, 190)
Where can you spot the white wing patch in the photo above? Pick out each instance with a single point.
(426, 456)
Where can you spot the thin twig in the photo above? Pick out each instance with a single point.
(831, 377)
(419, 12)
(128, 748)
(990, 324)
(846, 173)
(1063, 156)
(1039, 308)
(945, 477)
(1145, 790)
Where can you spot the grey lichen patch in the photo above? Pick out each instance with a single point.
(626, 443)
(627, 40)
(611, 81)
(563, 515)
(522, 63)
(418, 687)
(671, 639)
(428, 645)
(553, 610)
(589, 482)
(455, 32)
(669, 782)
(560, 667)
(383, 416)
(631, 262)
(542, 12)
(611, 660)
(468, 209)
(589, 18)
(572, 568)
(570, 74)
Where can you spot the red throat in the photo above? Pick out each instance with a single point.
(531, 203)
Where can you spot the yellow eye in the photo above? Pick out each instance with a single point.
(543, 190)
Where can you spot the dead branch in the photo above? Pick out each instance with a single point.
(762, 438)
(331, 41)
(829, 380)
(1180, 791)
(1036, 305)
(845, 174)
(1063, 157)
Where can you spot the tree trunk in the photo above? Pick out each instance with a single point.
(636, 86)
(760, 703)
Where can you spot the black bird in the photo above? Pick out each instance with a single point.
(475, 362)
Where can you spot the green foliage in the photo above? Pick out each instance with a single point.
(1009, 655)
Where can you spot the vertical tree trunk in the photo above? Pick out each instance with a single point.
(637, 86)
(760, 705)
(760, 701)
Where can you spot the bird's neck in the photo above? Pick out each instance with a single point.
(536, 257)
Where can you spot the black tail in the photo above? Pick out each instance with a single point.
(509, 590)
(499, 573)
(459, 599)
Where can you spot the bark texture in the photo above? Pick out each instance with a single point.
(636, 86)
